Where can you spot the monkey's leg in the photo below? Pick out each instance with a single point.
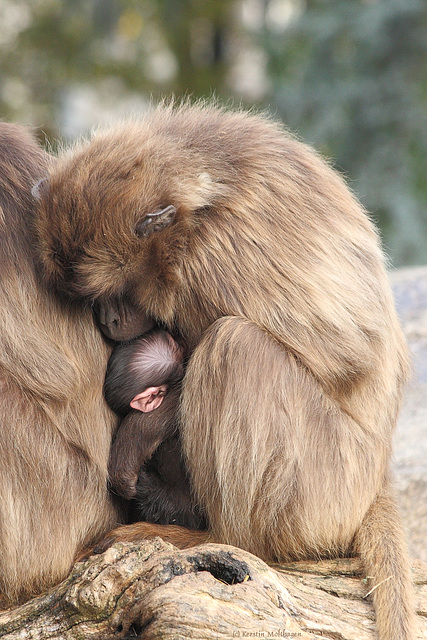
(283, 471)
(382, 546)
(159, 503)
(242, 430)
(163, 494)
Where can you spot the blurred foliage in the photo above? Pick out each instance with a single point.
(348, 75)
(355, 85)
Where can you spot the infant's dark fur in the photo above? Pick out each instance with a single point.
(146, 461)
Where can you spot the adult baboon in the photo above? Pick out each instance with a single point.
(224, 228)
(55, 426)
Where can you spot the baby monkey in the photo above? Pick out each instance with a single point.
(142, 384)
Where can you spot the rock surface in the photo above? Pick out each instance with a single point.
(410, 452)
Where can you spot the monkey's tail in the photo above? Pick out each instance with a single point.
(382, 547)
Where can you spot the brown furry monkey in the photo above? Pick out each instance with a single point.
(56, 428)
(224, 228)
(142, 384)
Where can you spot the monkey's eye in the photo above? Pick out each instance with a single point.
(156, 221)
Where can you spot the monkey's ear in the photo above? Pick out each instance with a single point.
(154, 222)
(149, 399)
(40, 189)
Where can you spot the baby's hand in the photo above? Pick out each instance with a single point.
(122, 479)
(134, 444)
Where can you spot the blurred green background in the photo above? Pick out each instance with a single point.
(349, 76)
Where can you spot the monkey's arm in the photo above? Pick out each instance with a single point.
(31, 358)
(138, 437)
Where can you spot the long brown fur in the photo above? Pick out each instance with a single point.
(55, 427)
(274, 276)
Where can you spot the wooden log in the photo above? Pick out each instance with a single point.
(153, 591)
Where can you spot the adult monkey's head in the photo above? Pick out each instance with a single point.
(113, 220)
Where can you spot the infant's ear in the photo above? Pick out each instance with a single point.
(149, 399)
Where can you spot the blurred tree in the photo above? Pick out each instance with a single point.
(348, 75)
(57, 54)
(351, 77)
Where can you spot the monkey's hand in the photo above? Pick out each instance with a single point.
(123, 468)
(123, 483)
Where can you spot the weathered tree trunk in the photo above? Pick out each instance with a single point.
(154, 591)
